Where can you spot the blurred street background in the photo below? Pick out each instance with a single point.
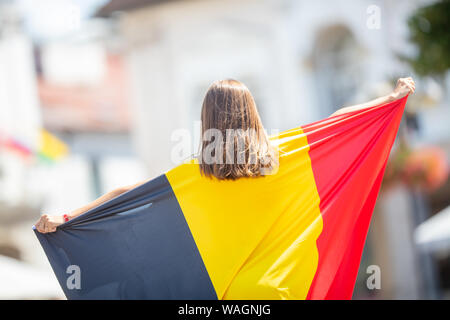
(91, 92)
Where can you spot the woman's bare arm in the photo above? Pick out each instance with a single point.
(107, 196)
(404, 86)
(48, 223)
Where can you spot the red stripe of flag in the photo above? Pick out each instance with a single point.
(348, 171)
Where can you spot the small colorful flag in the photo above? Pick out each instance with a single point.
(50, 147)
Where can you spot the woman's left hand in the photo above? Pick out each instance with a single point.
(48, 223)
(404, 86)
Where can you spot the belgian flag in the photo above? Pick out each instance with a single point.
(295, 234)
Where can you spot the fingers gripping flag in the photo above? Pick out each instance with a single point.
(295, 234)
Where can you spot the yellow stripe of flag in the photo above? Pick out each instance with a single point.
(268, 235)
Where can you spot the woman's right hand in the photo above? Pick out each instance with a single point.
(404, 86)
(48, 223)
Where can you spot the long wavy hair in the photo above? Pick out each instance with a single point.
(234, 143)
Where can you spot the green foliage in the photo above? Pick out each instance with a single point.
(430, 32)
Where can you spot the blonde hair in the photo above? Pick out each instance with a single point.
(241, 146)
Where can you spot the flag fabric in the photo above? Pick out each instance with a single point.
(295, 234)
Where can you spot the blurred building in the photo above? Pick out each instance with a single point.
(20, 124)
(83, 91)
(19, 103)
(75, 88)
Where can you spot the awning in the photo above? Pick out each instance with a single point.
(434, 233)
(22, 281)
